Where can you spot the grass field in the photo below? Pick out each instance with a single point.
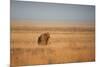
(68, 43)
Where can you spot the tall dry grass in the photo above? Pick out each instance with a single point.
(67, 44)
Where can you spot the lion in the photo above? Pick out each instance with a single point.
(43, 38)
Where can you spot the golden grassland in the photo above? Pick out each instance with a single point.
(68, 43)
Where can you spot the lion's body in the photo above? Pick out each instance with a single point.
(43, 39)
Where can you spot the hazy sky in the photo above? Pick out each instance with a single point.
(49, 11)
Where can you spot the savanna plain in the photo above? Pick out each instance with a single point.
(68, 43)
